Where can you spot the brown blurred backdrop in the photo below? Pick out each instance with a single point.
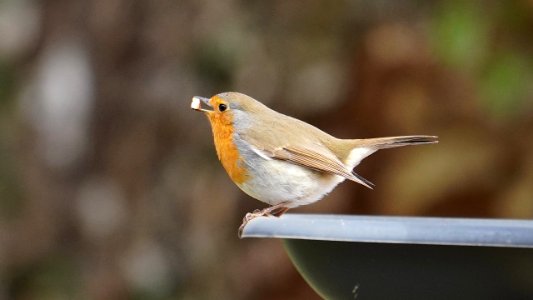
(109, 183)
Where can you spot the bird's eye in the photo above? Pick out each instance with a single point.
(222, 107)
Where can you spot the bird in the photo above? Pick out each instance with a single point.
(283, 161)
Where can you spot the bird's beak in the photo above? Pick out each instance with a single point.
(197, 101)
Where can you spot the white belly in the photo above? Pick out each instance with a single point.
(275, 181)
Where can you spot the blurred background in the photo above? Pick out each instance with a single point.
(109, 183)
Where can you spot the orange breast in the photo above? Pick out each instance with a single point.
(227, 152)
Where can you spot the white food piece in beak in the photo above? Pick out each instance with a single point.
(195, 104)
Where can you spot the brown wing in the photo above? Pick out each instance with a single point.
(318, 160)
(311, 153)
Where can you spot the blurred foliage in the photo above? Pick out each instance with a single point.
(460, 34)
(11, 193)
(52, 278)
(506, 86)
(7, 83)
(10, 187)
(215, 62)
(109, 183)
(462, 38)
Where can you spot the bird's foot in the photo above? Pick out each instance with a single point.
(275, 211)
(250, 216)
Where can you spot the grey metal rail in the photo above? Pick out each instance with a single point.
(403, 230)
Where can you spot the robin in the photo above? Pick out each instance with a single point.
(283, 161)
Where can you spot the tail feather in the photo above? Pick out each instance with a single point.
(395, 141)
(362, 148)
(364, 181)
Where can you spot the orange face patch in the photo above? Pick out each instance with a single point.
(222, 126)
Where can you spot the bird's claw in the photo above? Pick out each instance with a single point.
(250, 216)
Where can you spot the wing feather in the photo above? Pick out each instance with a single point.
(309, 153)
(323, 162)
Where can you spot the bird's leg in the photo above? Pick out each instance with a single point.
(278, 211)
(275, 210)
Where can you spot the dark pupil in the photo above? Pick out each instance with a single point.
(222, 107)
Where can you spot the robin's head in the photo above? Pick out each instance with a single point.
(228, 108)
